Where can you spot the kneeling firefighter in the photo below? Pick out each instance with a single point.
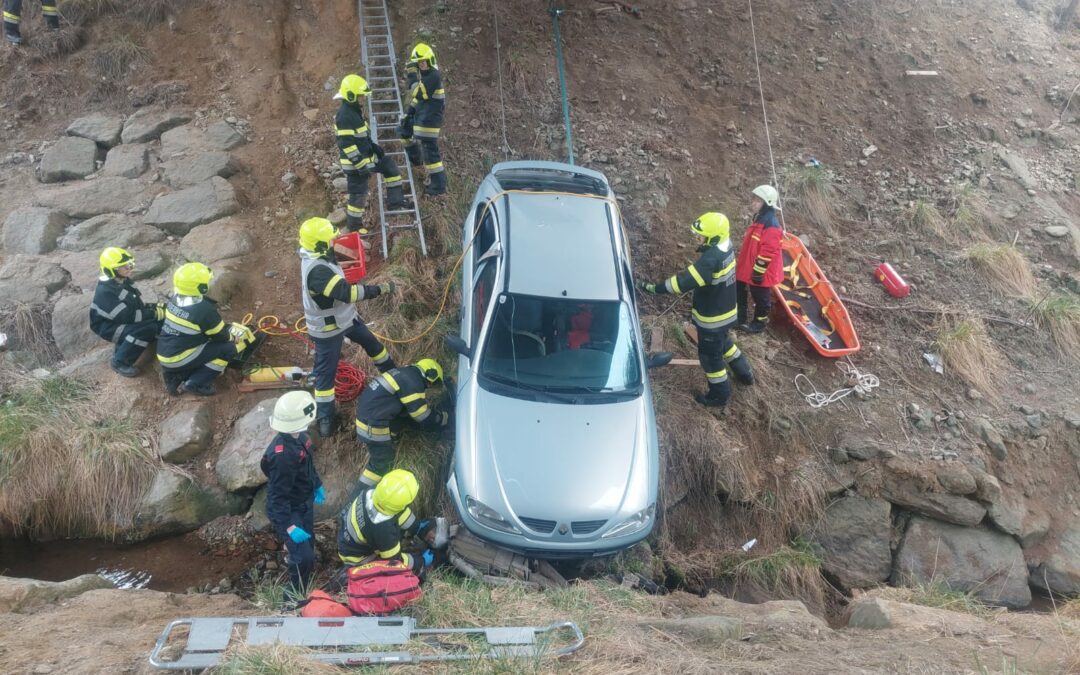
(712, 279)
(195, 345)
(118, 313)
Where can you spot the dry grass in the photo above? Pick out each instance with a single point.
(938, 594)
(73, 464)
(1060, 316)
(924, 217)
(968, 210)
(113, 60)
(275, 659)
(969, 354)
(29, 328)
(152, 11)
(1004, 268)
(813, 189)
(52, 44)
(80, 12)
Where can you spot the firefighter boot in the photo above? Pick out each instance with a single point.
(740, 367)
(172, 382)
(756, 326)
(198, 389)
(395, 199)
(327, 427)
(124, 369)
(716, 397)
(11, 32)
(437, 186)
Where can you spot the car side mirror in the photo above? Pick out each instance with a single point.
(455, 344)
(659, 359)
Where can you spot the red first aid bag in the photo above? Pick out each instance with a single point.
(320, 604)
(382, 587)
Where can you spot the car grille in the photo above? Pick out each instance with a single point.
(586, 526)
(538, 524)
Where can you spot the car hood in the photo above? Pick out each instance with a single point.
(561, 462)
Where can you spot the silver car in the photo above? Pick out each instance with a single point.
(556, 453)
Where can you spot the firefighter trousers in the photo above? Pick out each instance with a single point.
(202, 370)
(358, 183)
(13, 15)
(328, 354)
(133, 340)
(762, 296)
(301, 563)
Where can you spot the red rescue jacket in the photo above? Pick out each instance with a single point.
(761, 246)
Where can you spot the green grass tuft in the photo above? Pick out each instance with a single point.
(1059, 315)
(924, 217)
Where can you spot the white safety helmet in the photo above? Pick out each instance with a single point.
(767, 194)
(293, 412)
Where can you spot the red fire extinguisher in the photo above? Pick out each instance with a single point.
(891, 280)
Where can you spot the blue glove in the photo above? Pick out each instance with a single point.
(299, 535)
(429, 557)
(320, 495)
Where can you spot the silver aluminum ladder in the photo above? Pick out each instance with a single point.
(384, 109)
(201, 642)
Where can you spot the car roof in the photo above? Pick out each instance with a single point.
(561, 246)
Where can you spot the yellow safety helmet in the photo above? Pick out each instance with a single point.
(395, 491)
(423, 52)
(352, 87)
(430, 369)
(316, 234)
(112, 259)
(192, 279)
(712, 225)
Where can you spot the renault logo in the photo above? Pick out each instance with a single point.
(563, 528)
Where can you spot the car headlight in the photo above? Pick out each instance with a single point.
(635, 523)
(489, 516)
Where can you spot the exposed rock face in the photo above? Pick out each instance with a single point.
(98, 127)
(226, 282)
(180, 211)
(1060, 570)
(191, 139)
(978, 560)
(32, 229)
(216, 241)
(177, 504)
(185, 434)
(129, 161)
(989, 435)
(109, 194)
(878, 613)
(17, 594)
(956, 480)
(222, 135)
(28, 279)
(149, 123)
(191, 168)
(1011, 515)
(946, 507)
(854, 536)
(110, 229)
(71, 325)
(238, 466)
(69, 158)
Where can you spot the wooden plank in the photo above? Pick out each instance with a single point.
(691, 331)
(656, 339)
(684, 362)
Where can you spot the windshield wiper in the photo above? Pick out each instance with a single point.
(562, 397)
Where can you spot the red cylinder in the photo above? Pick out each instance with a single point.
(891, 280)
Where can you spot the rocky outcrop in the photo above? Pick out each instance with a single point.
(191, 168)
(191, 139)
(1059, 570)
(71, 325)
(17, 594)
(956, 480)
(110, 229)
(67, 159)
(175, 504)
(988, 434)
(238, 466)
(32, 229)
(988, 564)
(178, 212)
(878, 613)
(28, 279)
(226, 282)
(185, 434)
(149, 123)
(853, 536)
(98, 127)
(129, 161)
(938, 505)
(109, 194)
(216, 241)
(1010, 513)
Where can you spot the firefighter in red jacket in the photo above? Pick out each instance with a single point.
(761, 264)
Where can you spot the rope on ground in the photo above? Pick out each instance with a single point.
(555, 13)
(507, 151)
(764, 114)
(858, 381)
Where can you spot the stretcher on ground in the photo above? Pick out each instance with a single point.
(812, 303)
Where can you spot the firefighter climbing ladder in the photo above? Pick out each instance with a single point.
(384, 110)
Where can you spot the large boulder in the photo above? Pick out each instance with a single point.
(1059, 571)
(71, 325)
(149, 123)
(28, 280)
(109, 229)
(988, 564)
(129, 161)
(175, 504)
(185, 434)
(180, 211)
(33, 229)
(939, 505)
(69, 158)
(18, 594)
(878, 613)
(854, 536)
(338, 485)
(109, 194)
(227, 281)
(216, 241)
(238, 465)
(195, 167)
(1010, 513)
(98, 127)
(191, 139)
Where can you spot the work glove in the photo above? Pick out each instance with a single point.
(647, 287)
(241, 333)
(387, 288)
(429, 557)
(159, 311)
(405, 126)
(298, 534)
(320, 495)
(757, 277)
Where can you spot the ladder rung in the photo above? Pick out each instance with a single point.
(398, 213)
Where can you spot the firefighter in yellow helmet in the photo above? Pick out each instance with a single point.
(13, 18)
(195, 345)
(397, 391)
(330, 312)
(424, 118)
(359, 156)
(712, 279)
(118, 313)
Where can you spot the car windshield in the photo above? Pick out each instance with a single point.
(562, 345)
